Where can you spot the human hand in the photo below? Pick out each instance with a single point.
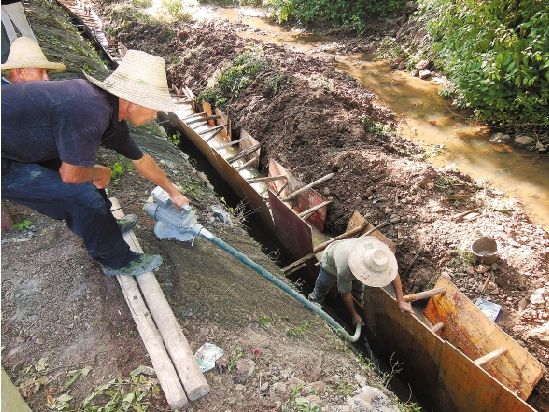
(357, 318)
(180, 200)
(102, 177)
(405, 306)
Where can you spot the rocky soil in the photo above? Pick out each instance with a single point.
(69, 341)
(321, 123)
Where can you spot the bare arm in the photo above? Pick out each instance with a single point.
(397, 287)
(348, 300)
(147, 167)
(99, 175)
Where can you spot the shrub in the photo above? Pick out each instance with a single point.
(350, 14)
(496, 54)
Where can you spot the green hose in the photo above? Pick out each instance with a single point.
(286, 288)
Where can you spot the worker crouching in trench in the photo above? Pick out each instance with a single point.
(353, 263)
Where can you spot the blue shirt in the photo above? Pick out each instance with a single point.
(65, 120)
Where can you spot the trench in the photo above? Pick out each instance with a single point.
(447, 134)
(406, 387)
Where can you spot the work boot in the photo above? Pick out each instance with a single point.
(127, 223)
(142, 264)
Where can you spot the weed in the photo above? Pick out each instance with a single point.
(142, 4)
(234, 79)
(235, 357)
(344, 388)
(23, 225)
(370, 126)
(175, 138)
(444, 185)
(298, 331)
(277, 83)
(409, 407)
(174, 8)
(386, 377)
(193, 187)
(463, 260)
(264, 321)
(303, 405)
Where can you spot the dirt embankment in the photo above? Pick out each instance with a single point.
(316, 126)
(69, 341)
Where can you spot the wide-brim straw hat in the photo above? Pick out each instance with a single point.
(372, 262)
(141, 79)
(26, 53)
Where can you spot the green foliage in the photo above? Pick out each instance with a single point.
(377, 129)
(174, 8)
(175, 138)
(234, 79)
(277, 83)
(463, 259)
(143, 4)
(298, 331)
(264, 321)
(235, 357)
(118, 168)
(23, 225)
(496, 53)
(338, 13)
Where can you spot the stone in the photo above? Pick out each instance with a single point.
(264, 387)
(540, 147)
(415, 73)
(424, 64)
(317, 387)
(499, 137)
(425, 74)
(540, 334)
(244, 369)
(523, 140)
(279, 389)
(295, 383)
(537, 297)
(371, 399)
(411, 6)
(239, 387)
(482, 268)
(471, 270)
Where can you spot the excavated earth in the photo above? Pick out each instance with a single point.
(67, 332)
(314, 127)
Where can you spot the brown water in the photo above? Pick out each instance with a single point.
(425, 116)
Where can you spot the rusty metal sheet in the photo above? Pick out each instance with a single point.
(292, 231)
(303, 202)
(467, 328)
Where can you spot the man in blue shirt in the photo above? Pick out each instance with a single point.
(69, 120)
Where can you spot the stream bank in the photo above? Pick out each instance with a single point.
(70, 343)
(323, 122)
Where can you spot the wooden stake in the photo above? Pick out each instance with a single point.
(307, 187)
(244, 153)
(224, 145)
(282, 188)
(203, 119)
(193, 115)
(424, 295)
(266, 179)
(306, 213)
(489, 357)
(437, 327)
(214, 134)
(211, 129)
(248, 163)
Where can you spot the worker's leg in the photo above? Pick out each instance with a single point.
(358, 291)
(324, 283)
(84, 210)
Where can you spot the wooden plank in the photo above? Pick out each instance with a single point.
(266, 179)
(175, 342)
(306, 213)
(246, 142)
(424, 295)
(307, 187)
(475, 335)
(11, 399)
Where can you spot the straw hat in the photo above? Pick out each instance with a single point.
(373, 263)
(26, 53)
(141, 79)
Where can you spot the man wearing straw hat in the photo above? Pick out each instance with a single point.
(69, 120)
(26, 62)
(353, 263)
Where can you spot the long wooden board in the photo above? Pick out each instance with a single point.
(476, 335)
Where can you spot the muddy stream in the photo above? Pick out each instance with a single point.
(424, 116)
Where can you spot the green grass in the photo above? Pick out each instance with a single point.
(298, 331)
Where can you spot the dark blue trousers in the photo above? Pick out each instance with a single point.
(85, 211)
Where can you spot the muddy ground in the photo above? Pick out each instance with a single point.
(69, 341)
(315, 126)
